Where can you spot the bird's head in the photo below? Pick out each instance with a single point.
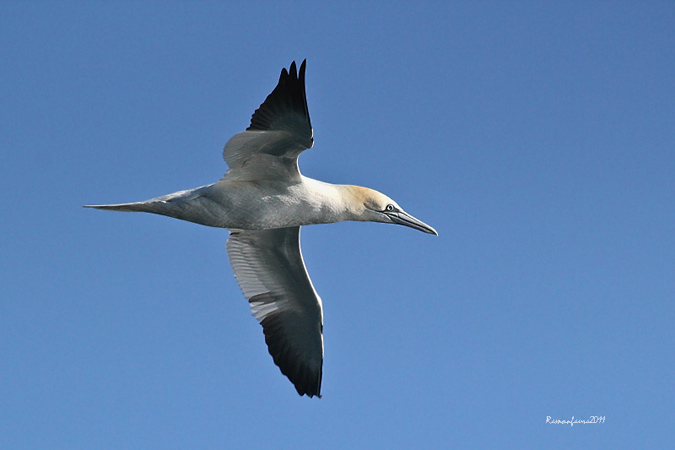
(373, 206)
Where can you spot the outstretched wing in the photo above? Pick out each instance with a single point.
(280, 130)
(269, 268)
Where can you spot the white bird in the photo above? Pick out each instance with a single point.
(263, 200)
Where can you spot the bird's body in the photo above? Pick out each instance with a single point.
(255, 205)
(264, 200)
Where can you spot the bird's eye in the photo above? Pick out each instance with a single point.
(390, 208)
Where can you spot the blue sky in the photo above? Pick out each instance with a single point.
(538, 138)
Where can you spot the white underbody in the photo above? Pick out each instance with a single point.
(253, 205)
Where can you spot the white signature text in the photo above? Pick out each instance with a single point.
(573, 421)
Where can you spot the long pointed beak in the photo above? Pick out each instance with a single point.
(403, 218)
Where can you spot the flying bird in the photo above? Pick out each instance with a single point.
(263, 200)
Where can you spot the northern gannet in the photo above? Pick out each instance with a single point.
(263, 200)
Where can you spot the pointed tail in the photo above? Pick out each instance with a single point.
(191, 205)
(127, 207)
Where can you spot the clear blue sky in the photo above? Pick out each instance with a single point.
(538, 138)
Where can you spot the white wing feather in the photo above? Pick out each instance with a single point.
(269, 268)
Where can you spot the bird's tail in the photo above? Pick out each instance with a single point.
(159, 205)
(127, 207)
(191, 205)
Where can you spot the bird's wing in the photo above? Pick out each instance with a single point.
(269, 268)
(280, 130)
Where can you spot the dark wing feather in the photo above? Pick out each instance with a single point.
(286, 107)
(280, 130)
(269, 268)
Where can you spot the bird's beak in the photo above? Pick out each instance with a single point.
(403, 218)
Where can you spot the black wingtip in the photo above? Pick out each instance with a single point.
(301, 75)
(283, 75)
(292, 72)
(286, 107)
(306, 385)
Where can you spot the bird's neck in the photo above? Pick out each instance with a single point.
(337, 202)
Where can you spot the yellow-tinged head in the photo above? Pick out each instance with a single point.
(372, 206)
